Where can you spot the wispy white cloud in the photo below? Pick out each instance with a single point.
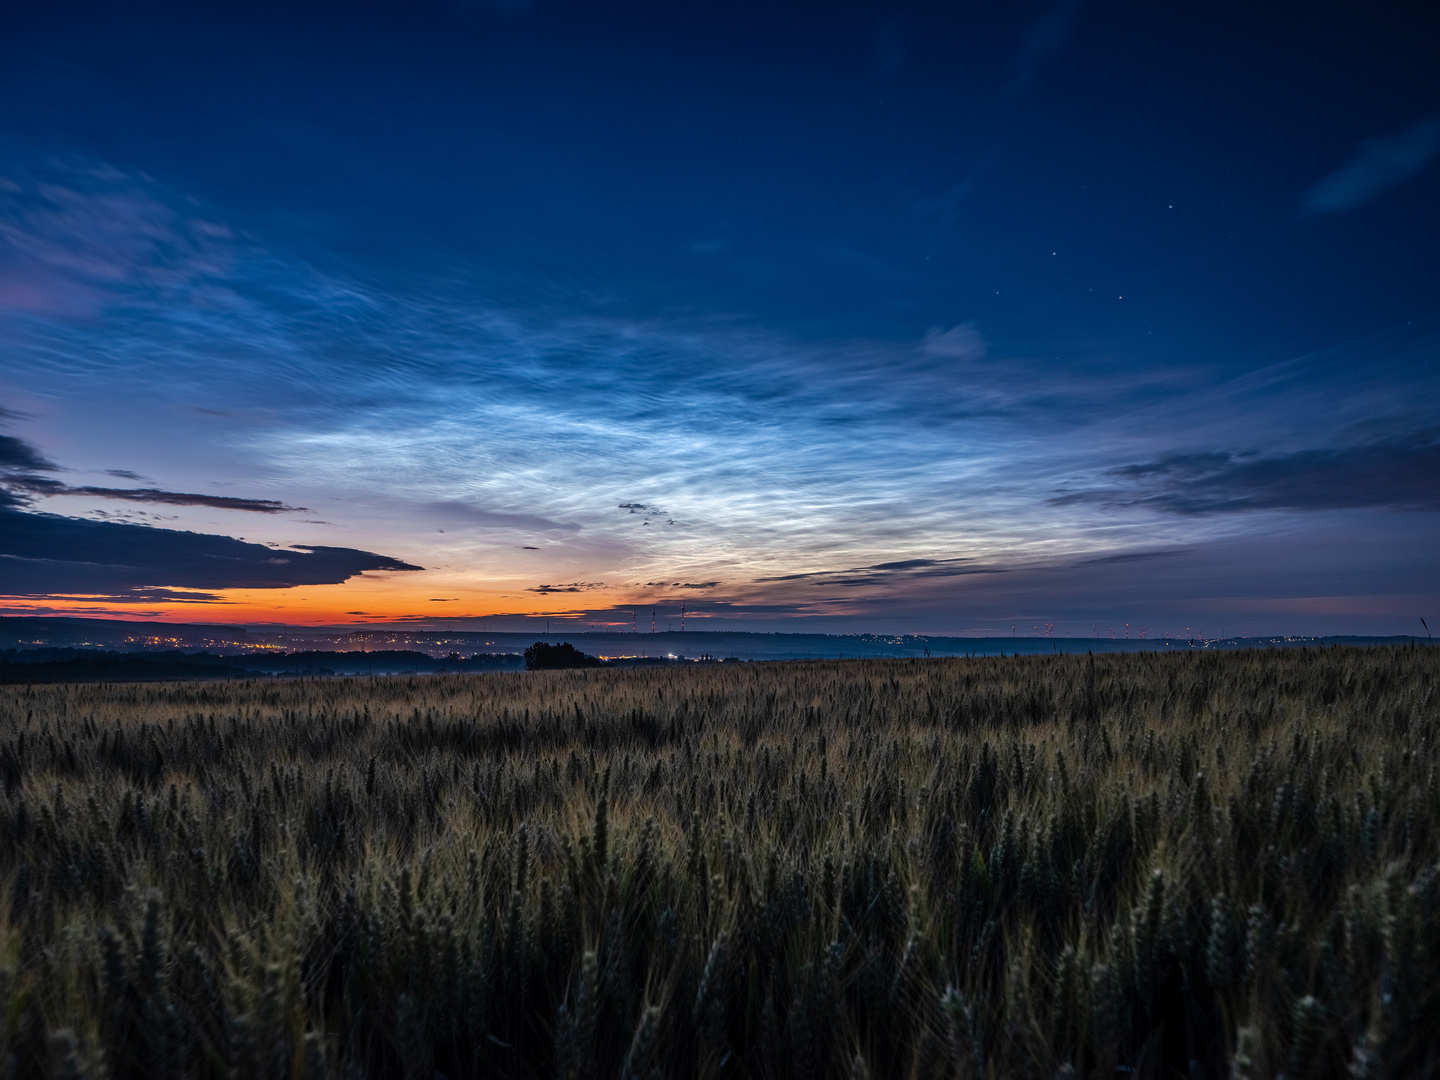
(1045, 37)
(962, 342)
(459, 427)
(76, 235)
(1375, 166)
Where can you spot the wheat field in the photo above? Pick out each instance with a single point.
(1183, 865)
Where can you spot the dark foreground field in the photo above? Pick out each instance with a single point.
(1136, 866)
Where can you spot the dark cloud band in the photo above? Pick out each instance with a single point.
(37, 485)
(18, 454)
(1402, 474)
(44, 554)
(19, 462)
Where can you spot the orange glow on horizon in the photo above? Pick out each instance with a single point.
(357, 602)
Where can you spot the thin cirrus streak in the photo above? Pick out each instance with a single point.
(1375, 166)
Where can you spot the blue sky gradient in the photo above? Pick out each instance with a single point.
(857, 317)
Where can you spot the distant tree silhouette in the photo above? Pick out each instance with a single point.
(543, 657)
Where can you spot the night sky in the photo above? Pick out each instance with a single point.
(849, 317)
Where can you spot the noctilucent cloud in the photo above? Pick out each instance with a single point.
(929, 318)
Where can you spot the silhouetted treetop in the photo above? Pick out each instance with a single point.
(543, 657)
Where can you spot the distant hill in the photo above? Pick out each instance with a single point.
(22, 631)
